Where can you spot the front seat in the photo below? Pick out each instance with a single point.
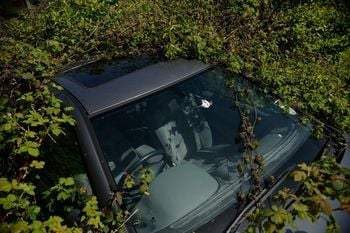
(185, 134)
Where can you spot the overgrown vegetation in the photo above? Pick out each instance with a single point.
(322, 180)
(297, 50)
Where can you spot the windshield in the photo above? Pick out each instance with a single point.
(187, 136)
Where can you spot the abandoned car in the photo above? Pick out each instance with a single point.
(181, 121)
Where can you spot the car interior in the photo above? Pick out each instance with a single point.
(186, 136)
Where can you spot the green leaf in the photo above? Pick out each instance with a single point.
(11, 197)
(267, 213)
(20, 226)
(23, 148)
(27, 76)
(332, 226)
(69, 181)
(7, 126)
(5, 203)
(251, 229)
(5, 185)
(55, 129)
(301, 210)
(119, 198)
(326, 207)
(68, 109)
(299, 175)
(277, 218)
(300, 207)
(274, 208)
(37, 164)
(143, 188)
(31, 134)
(33, 151)
(63, 196)
(338, 185)
(129, 182)
(36, 225)
(270, 227)
(29, 98)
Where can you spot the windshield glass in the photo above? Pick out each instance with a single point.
(187, 135)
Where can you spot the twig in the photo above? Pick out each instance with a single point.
(85, 39)
(48, 134)
(29, 7)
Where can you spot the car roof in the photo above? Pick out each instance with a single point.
(123, 89)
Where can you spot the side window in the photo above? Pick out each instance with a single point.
(63, 158)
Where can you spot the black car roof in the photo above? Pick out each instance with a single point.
(120, 90)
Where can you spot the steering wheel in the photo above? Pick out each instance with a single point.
(143, 162)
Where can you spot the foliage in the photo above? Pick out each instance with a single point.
(251, 163)
(322, 180)
(294, 50)
(298, 50)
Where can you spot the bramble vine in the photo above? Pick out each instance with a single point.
(323, 181)
(296, 50)
(320, 182)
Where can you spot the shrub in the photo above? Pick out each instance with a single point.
(298, 51)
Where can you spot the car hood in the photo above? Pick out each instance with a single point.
(342, 217)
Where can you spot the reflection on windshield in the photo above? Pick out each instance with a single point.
(191, 129)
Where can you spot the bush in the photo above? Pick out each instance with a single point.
(298, 51)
